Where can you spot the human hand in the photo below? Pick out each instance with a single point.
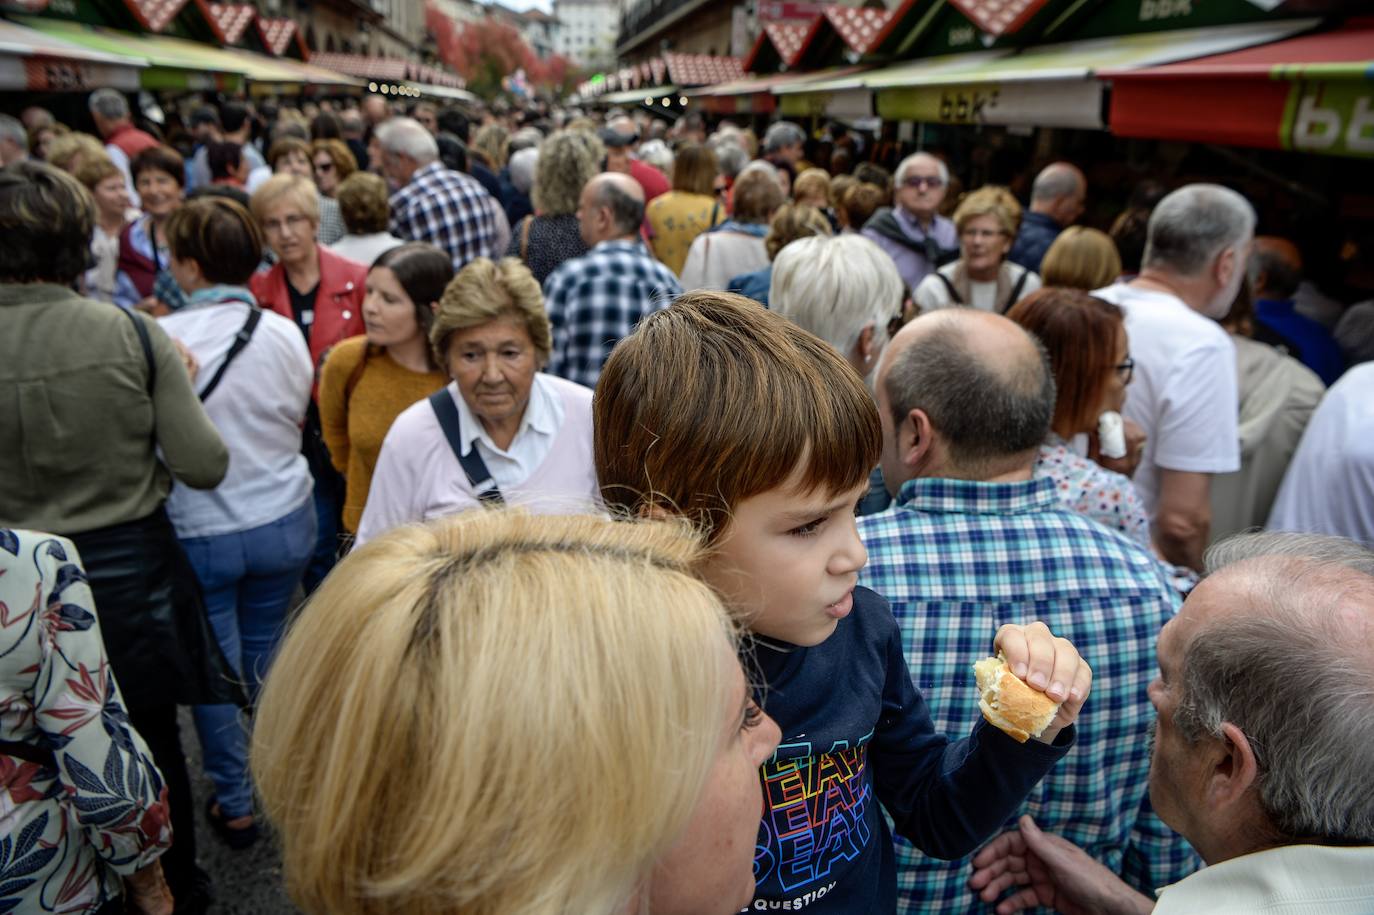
(1049, 664)
(1049, 870)
(148, 304)
(1135, 449)
(148, 893)
(188, 358)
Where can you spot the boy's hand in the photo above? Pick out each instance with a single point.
(1049, 664)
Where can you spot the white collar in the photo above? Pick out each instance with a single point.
(1262, 881)
(540, 416)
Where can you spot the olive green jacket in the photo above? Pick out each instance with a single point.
(83, 444)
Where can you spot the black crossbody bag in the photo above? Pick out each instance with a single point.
(240, 341)
(473, 465)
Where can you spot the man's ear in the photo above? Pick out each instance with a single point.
(915, 439)
(1227, 263)
(1232, 769)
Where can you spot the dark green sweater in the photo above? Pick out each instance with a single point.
(81, 435)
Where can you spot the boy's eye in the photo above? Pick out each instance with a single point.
(808, 528)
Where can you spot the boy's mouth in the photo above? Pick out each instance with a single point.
(840, 609)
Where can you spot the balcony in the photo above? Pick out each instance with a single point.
(647, 18)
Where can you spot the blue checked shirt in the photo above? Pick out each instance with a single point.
(450, 211)
(957, 559)
(596, 299)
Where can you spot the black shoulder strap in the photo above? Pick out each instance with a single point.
(146, 343)
(240, 341)
(1016, 291)
(953, 293)
(441, 401)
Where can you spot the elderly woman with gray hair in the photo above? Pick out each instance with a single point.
(567, 161)
(503, 432)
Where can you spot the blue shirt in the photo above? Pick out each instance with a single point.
(856, 733)
(594, 300)
(1038, 232)
(958, 559)
(1312, 344)
(754, 285)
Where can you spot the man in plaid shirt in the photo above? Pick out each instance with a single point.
(973, 542)
(596, 299)
(445, 208)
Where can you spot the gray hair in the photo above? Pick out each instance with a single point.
(782, 134)
(985, 414)
(1191, 226)
(1289, 673)
(522, 165)
(1055, 181)
(1281, 276)
(1354, 333)
(525, 138)
(108, 103)
(408, 137)
(12, 129)
(912, 159)
(657, 154)
(731, 157)
(627, 212)
(835, 287)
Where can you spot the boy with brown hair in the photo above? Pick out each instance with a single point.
(764, 436)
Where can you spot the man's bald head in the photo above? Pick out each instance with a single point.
(1280, 644)
(983, 382)
(1059, 191)
(612, 206)
(1275, 267)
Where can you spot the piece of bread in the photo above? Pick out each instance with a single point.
(1009, 704)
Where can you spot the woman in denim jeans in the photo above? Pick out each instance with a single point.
(249, 539)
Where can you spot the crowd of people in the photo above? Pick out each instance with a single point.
(524, 501)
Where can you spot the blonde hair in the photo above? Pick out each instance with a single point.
(486, 290)
(990, 200)
(291, 189)
(567, 161)
(494, 714)
(67, 146)
(791, 222)
(493, 142)
(1081, 258)
(814, 183)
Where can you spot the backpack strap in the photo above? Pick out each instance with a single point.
(953, 293)
(146, 344)
(1016, 291)
(441, 402)
(240, 341)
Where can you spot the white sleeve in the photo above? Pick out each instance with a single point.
(1198, 427)
(930, 294)
(390, 498)
(694, 269)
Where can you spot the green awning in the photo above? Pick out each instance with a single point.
(33, 62)
(172, 63)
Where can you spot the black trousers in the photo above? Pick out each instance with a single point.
(157, 723)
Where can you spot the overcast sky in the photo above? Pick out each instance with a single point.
(522, 5)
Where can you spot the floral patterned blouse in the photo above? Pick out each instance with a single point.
(675, 220)
(1090, 489)
(72, 826)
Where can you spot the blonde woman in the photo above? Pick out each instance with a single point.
(502, 431)
(567, 161)
(986, 221)
(586, 756)
(1081, 258)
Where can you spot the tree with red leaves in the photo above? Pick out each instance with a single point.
(488, 50)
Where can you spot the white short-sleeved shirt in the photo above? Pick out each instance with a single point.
(1183, 393)
(1329, 486)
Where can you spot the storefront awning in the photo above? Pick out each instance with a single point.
(31, 61)
(648, 95)
(757, 94)
(1313, 93)
(1050, 85)
(171, 63)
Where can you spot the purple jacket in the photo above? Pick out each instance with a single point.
(910, 246)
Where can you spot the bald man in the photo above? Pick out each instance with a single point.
(596, 299)
(1275, 269)
(1265, 742)
(1057, 199)
(975, 540)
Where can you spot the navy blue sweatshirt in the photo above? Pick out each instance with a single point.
(856, 733)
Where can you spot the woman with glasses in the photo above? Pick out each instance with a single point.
(332, 162)
(1086, 341)
(292, 156)
(986, 222)
(323, 293)
(690, 208)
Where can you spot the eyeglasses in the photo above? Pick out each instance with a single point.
(1126, 370)
(921, 182)
(293, 222)
(981, 233)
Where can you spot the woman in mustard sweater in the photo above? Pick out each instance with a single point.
(367, 381)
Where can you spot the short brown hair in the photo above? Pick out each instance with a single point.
(1080, 333)
(990, 200)
(96, 169)
(791, 222)
(219, 235)
(814, 182)
(363, 203)
(486, 290)
(286, 145)
(713, 400)
(345, 163)
(859, 204)
(48, 218)
(1081, 258)
(695, 169)
(163, 159)
(757, 193)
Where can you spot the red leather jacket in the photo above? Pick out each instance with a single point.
(338, 301)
